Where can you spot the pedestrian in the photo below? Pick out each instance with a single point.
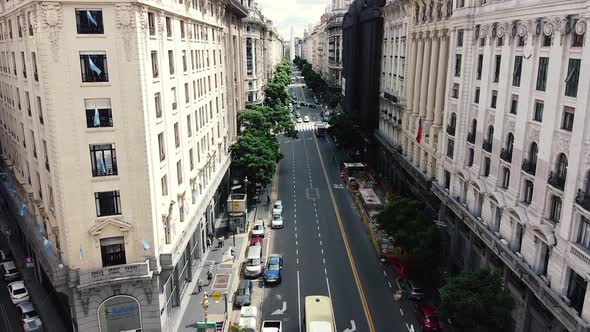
(220, 239)
(209, 277)
(199, 285)
(208, 243)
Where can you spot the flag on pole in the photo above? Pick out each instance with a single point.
(94, 67)
(81, 252)
(96, 118)
(419, 133)
(91, 18)
(46, 244)
(146, 245)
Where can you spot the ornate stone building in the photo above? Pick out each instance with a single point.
(116, 119)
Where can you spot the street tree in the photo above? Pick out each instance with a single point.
(342, 126)
(276, 92)
(477, 301)
(256, 154)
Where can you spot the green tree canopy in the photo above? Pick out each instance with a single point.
(256, 153)
(476, 301)
(276, 92)
(342, 127)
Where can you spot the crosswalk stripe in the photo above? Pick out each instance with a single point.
(305, 126)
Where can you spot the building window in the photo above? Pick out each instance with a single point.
(189, 125)
(93, 67)
(486, 166)
(450, 148)
(164, 185)
(576, 290)
(458, 58)
(112, 251)
(182, 30)
(179, 171)
(158, 104)
(542, 73)
(108, 203)
(89, 21)
(161, 146)
(470, 157)
(187, 97)
(35, 71)
(567, 122)
(505, 177)
(174, 98)
(168, 27)
(171, 61)
(528, 191)
(546, 41)
(494, 99)
(152, 23)
(500, 42)
(555, 210)
(497, 68)
(103, 159)
(155, 71)
(184, 63)
(191, 158)
(520, 41)
(517, 72)
(479, 66)
(572, 78)
(40, 110)
(538, 112)
(578, 40)
(476, 97)
(447, 180)
(455, 91)
(23, 61)
(514, 104)
(460, 34)
(176, 135)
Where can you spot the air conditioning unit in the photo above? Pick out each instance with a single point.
(497, 234)
(504, 242)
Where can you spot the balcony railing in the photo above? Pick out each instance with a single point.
(471, 138)
(487, 145)
(506, 155)
(451, 130)
(529, 167)
(556, 180)
(119, 272)
(583, 199)
(550, 299)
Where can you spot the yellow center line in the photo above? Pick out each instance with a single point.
(346, 244)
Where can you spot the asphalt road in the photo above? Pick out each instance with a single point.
(9, 320)
(313, 247)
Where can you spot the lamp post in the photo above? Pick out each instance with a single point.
(205, 305)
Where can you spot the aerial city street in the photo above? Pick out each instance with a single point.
(294, 166)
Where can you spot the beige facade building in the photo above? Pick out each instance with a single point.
(117, 119)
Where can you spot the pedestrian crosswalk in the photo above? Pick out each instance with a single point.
(305, 126)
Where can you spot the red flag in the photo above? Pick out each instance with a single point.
(419, 133)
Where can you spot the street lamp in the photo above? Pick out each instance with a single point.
(205, 305)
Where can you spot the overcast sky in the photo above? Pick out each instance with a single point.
(298, 13)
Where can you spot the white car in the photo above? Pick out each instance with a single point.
(278, 206)
(258, 229)
(277, 220)
(18, 292)
(306, 118)
(299, 120)
(32, 325)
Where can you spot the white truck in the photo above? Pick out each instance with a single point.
(272, 326)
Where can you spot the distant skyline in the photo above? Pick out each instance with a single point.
(299, 13)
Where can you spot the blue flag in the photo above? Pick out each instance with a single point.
(21, 209)
(47, 244)
(146, 245)
(94, 67)
(96, 118)
(81, 252)
(91, 19)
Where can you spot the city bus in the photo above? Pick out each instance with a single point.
(319, 316)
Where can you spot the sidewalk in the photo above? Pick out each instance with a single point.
(40, 296)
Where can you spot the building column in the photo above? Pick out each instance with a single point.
(411, 73)
(441, 78)
(417, 75)
(425, 73)
(432, 78)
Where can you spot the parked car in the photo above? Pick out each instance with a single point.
(258, 228)
(33, 325)
(427, 318)
(9, 271)
(277, 220)
(306, 118)
(5, 255)
(18, 292)
(400, 267)
(256, 241)
(243, 295)
(26, 311)
(299, 120)
(312, 106)
(278, 207)
(412, 289)
(272, 272)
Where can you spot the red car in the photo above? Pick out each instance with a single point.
(400, 267)
(256, 241)
(427, 318)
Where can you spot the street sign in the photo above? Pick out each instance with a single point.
(215, 296)
(236, 205)
(201, 325)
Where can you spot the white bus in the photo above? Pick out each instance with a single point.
(319, 316)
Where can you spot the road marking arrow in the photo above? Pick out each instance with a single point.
(280, 311)
(410, 327)
(352, 327)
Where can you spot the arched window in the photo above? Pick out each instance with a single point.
(561, 166)
(509, 143)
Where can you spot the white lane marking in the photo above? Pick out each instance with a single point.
(295, 235)
(324, 260)
(296, 243)
(299, 300)
(322, 251)
(297, 261)
(325, 271)
(297, 252)
(401, 311)
(410, 327)
(321, 244)
(389, 284)
(295, 228)
(385, 274)
(318, 228)
(320, 235)
(330, 295)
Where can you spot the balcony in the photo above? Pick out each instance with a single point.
(506, 155)
(529, 167)
(583, 199)
(556, 180)
(471, 138)
(451, 130)
(551, 300)
(487, 146)
(114, 273)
